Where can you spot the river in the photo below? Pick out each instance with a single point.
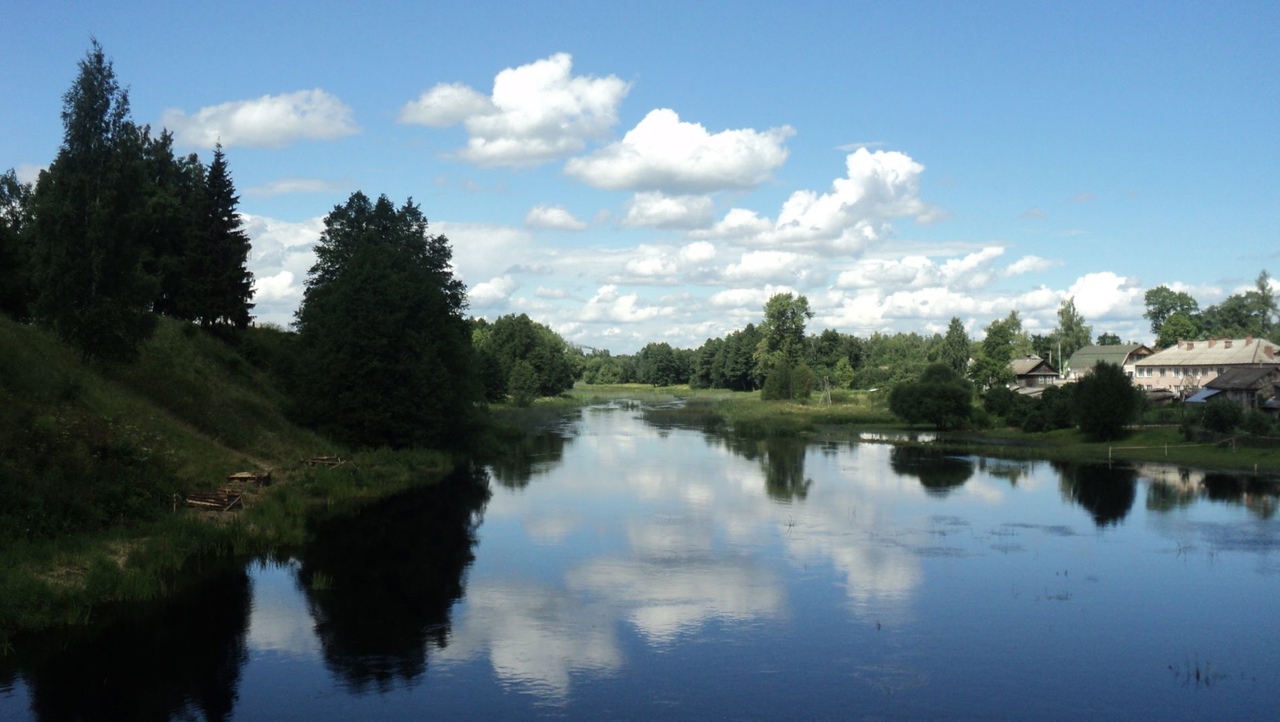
(616, 567)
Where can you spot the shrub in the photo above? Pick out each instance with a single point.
(1257, 423)
(1222, 415)
(940, 397)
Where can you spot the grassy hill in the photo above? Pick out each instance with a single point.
(94, 461)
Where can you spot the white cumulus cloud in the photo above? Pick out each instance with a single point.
(774, 267)
(554, 218)
(271, 121)
(608, 305)
(877, 188)
(1106, 294)
(536, 113)
(491, 293)
(654, 209)
(663, 153)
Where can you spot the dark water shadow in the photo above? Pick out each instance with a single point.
(938, 472)
(1259, 496)
(380, 583)
(1106, 491)
(180, 659)
(516, 460)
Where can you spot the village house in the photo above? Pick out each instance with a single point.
(1189, 366)
(1251, 387)
(1125, 356)
(1033, 371)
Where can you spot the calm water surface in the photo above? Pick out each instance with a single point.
(620, 568)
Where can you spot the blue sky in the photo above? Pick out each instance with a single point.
(634, 172)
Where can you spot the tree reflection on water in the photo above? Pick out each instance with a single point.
(380, 582)
(1105, 491)
(938, 472)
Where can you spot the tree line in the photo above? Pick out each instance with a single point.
(120, 228)
(1177, 315)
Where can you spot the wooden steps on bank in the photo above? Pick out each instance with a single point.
(230, 496)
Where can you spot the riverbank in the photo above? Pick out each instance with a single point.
(853, 414)
(96, 461)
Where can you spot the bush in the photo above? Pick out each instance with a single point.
(801, 382)
(1258, 423)
(1222, 415)
(941, 397)
(777, 385)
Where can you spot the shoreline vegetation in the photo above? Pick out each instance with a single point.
(196, 407)
(95, 461)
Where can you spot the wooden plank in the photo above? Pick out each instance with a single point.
(324, 461)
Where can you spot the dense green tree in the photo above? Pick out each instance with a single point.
(1163, 302)
(1071, 334)
(16, 290)
(89, 219)
(220, 285)
(1235, 316)
(603, 368)
(1108, 339)
(956, 347)
(1105, 401)
(703, 373)
(1265, 301)
(385, 354)
(658, 365)
(1176, 327)
(892, 359)
(802, 382)
(782, 331)
(173, 198)
(1004, 338)
(940, 397)
(514, 338)
(777, 383)
(844, 374)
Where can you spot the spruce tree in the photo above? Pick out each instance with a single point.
(174, 195)
(224, 252)
(89, 216)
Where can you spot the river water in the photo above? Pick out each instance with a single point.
(617, 567)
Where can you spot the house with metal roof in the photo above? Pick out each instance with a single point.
(1125, 356)
(1250, 387)
(1189, 366)
(1033, 371)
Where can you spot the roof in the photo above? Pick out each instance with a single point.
(1032, 366)
(1089, 356)
(1202, 396)
(1216, 352)
(1241, 378)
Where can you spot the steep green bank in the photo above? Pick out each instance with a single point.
(94, 462)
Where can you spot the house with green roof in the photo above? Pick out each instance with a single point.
(1124, 355)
